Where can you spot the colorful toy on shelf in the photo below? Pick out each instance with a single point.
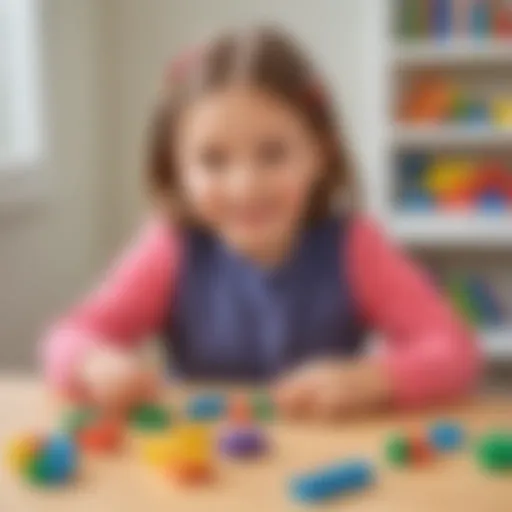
(455, 183)
(331, 481)
(502, 112)
(503, 19)
(429, 101)
(43, 461)
(475, 300)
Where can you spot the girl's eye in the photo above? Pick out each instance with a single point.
(214, 159)
(272, 152)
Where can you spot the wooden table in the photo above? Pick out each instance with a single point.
(123, 483)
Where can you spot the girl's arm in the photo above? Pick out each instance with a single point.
(130, 304)
(430, 355)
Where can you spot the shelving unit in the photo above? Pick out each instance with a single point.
(453, 52)
(457, 235)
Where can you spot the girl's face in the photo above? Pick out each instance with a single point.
(247, 164)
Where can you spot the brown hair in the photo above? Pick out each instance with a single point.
(265, 57)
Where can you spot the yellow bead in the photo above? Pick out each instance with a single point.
(20, 451)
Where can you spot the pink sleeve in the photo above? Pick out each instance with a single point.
(130, 304)
(429, 353)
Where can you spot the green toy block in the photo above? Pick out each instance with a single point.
(36, 472)
(262, 406)
(397, 450)
(150, 417)
(78, 418)
(494, 451)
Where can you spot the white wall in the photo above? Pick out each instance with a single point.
(144, 35)
(48, 253)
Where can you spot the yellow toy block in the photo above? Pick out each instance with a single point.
(158, 451)
(447, 175)
(20, 451)
(502, 112)
(185, 444)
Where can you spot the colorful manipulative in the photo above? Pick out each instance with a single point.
(263, 407)
(101, 434)
(446, 436)
(455, 183)
(475, 300)
(43, 461)
(494, 451)
(332, 481)
(240, 438)
(208, 407)
(408, 450)
(150, 417)
(184, 453)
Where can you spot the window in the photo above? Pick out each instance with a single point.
(20, 135)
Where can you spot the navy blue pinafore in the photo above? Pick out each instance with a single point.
(231, 320)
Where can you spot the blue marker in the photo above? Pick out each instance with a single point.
(332, 481)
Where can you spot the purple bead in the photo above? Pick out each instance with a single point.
(242, 442)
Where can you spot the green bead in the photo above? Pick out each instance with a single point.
(263, 406)
(494, 451)
(78, 418)
(36, 471)
(397, 451)
(150, 417)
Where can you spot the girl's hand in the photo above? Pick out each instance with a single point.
(115, 380)
(333, 389)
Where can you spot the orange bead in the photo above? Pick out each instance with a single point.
(104, 436)
(239, 410)
(190, 473)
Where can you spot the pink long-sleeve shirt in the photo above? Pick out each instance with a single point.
(429, 353)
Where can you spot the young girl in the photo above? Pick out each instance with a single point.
(256, 264)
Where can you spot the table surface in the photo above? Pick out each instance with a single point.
(451, 483)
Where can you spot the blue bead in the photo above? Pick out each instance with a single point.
(332, 481)
(446, 436)
(59, 458)
(206, 407)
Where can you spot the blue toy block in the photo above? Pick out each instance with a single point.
(59, 458)
(417, 201)
(493, 203)
(206, 407)
(445, 436)
(486, 302)
(332, 481)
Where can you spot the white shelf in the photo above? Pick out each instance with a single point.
(452, 52)
(450, 230)
(432, 136)
(497, 342)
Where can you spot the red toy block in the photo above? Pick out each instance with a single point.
(420, 451)
(104, 436)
